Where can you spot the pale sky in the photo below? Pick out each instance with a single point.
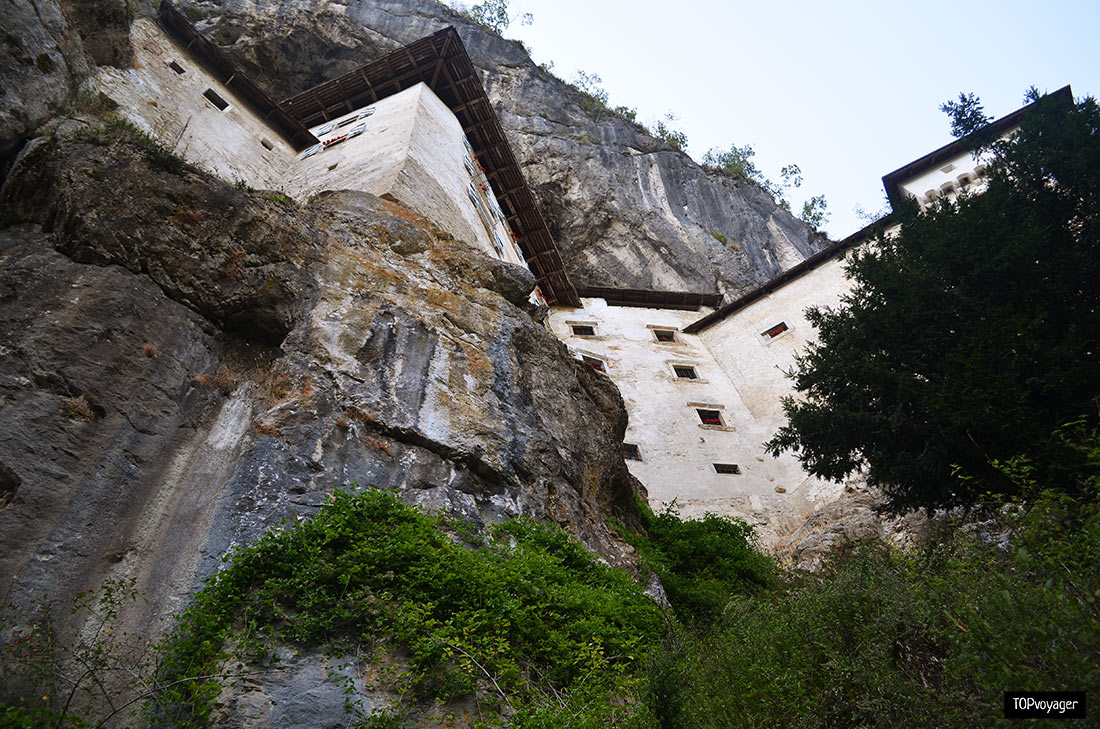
(847, 89)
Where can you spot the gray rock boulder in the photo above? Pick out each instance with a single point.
(187, 364)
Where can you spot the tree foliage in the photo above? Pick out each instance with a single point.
(495, 15)
(737, 162)
(669, 135)
(814, 212)
(967, 115)
(971, 335)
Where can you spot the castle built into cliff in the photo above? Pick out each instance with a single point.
(702, 378)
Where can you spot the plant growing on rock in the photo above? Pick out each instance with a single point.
(524, 618)
(495, 15)
(665, 132)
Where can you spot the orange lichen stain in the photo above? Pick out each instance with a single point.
(398, 210)
(358, 415)
(477, 363)
(376, 443)
(591, 482)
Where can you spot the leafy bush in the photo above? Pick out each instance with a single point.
(528, 615)
(702, 563)
(886, 639)
(665, 132)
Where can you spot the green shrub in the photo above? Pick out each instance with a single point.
(702, 563)
(885, 639)
(528, 614)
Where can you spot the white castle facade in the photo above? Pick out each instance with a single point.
(702, 381)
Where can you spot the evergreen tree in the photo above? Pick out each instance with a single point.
(972, 335)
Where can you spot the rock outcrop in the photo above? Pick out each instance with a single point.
(626, 210)
(42, 64)
(186, 364)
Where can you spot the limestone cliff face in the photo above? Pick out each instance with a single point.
(625, 209)
(185, 364)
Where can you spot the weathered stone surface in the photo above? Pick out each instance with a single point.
(836, 526)
(299, 691)
(104, 28)
(626, 209)
(41, 67)
(354, 365)
(237, 261)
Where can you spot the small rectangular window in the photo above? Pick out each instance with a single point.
(727, 468)
(775, 331)
(583, 330)
(217, 101)
(174, 66)
(594, 363)
(266, 144)
(685, 372)
(664, 335)
(631, 452)
(709, 417)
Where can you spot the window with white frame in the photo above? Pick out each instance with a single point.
(212, 96)
(594, 362)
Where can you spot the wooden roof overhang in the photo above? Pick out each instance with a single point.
(441, 62)
(892, 181)
(681, 300)
(219, 65)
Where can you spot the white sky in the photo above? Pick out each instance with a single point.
(847, 89)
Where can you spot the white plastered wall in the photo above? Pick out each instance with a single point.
(965, 172)
(170, 107)
(678, 451)
(412, 147)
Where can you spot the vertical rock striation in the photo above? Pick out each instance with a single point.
(185, 364)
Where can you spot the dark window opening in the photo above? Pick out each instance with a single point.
(685, 372)
(583, 330)
(267, 144)
(594, 363)
(727, 468)
(776, 330)
(709, 417)
(664, 335)
(631, 452)
(174, 66)
(216, 100)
